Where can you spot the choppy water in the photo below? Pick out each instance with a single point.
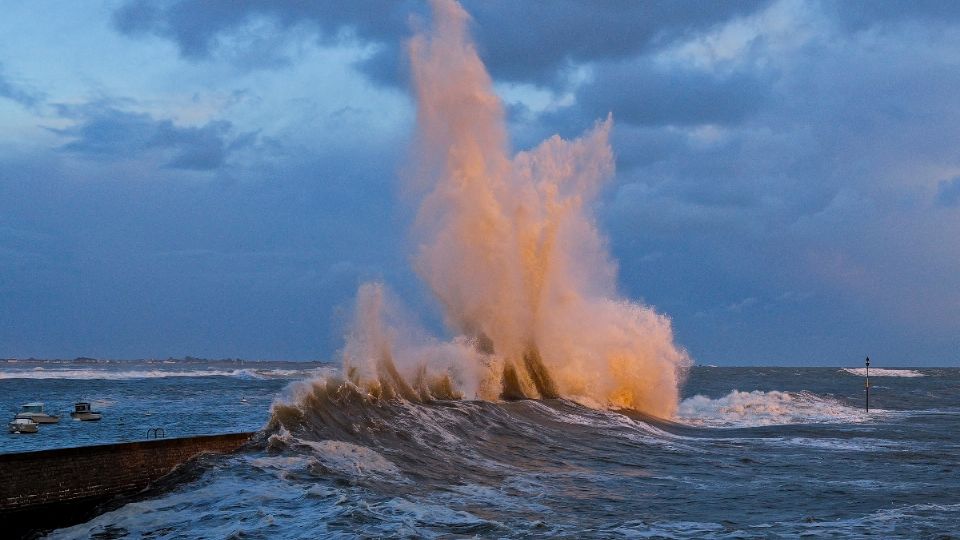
(756, 452)
(181, 397)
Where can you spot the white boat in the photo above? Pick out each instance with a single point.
(34, 411)
(22, 425)
(81, 411)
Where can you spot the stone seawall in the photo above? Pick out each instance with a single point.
(37, 487)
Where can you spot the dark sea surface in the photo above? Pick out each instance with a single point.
(753, 453)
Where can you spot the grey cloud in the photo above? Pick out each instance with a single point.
(948, 192)
(105, 132)
(529, 41)
(814, 176)
(520, 41)
(193, 25)
(642, 93)
(822, 188)
(199, 28)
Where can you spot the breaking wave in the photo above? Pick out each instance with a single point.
(361, 435)
(757, 408)
(881, 372)
(105, 374)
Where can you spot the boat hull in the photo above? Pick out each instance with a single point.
(21, 428)
(86, 416)
(40, 418)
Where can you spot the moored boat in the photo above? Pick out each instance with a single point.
(34, 411)
(22, 425)
(81, 411)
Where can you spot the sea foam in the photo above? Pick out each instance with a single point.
(757, 408)
(106, 374)
(881, 372)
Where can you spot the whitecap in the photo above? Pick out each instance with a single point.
(101, 374)
(350, 459)
(883, 372)
(757, 408)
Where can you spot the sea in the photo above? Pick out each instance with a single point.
(754, 452)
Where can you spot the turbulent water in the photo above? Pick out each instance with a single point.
(753, 452)
(509, 246)
(181, 397)
(420, 437)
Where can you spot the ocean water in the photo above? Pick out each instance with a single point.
(181, 397)
(754, 452)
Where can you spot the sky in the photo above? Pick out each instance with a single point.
(216, 178)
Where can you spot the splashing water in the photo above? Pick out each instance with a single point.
(510, 249)
(882, 372)
(757, 408)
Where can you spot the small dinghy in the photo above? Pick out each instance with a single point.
(23, 425)
(81, 411)
(34, 411)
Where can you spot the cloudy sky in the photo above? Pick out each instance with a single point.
(215, 178)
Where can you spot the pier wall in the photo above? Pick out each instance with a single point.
(37, 484)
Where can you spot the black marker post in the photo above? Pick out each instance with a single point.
(866, 384)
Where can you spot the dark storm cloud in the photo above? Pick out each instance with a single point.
(203, 29)
(643, 93)
(773, 191)
(530, 41)
(948, 192)
(105, 132)
(519, 41)
(820, 190)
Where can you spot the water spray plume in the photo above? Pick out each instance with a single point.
(508, 245)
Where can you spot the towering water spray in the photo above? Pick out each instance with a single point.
(511, 251)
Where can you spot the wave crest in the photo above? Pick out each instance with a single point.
(882, 372)
(106, 374)
(757, 408)
(474, 440)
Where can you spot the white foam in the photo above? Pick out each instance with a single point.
(105, 374)
(750, 409)
(881, 372)
(423, 513)
(842, 445)
(87, 374)
(351, 459)
(282, 466)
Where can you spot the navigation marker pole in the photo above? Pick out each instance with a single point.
(866, 384)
